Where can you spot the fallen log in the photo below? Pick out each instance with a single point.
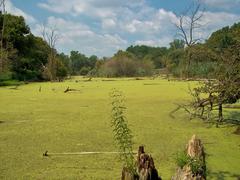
(69, 89)
(89, 79)
(46, 153)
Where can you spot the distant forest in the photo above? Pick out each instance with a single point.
(26, 57)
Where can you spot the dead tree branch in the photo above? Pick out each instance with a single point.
(69, 89)
(188, 22)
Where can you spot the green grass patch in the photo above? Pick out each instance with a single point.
(59, 122)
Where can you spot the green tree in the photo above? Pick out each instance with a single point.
(62, 70)
(224, 37)
(13, 31)
(65, 59)
(92, 61)
(78, 61)
(25, 53)
(224, 88)
(177, 44)
(31, 59)
(153, 54)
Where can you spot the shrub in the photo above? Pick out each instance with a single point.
(84, 70)
(195, 164)
(5, 76)
(182, 159)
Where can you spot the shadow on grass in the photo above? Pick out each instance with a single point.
(233, 117)
(222, 175)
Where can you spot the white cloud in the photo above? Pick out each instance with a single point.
(108, 23)
(78, 36)
(159, 30)
(219, 19)
(117, 19)
(157, 42)
(10, 8)
(94, 8)
(115, 24)
(212, 21)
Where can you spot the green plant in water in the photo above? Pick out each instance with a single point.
(196, 165)
(182, 159)
(122, 134)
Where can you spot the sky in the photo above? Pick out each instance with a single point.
(102, 27)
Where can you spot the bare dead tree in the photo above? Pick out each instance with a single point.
(51, 37)
(188, 22)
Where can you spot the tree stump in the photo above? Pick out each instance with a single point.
(145, 168)
(195, 148)
(127, 175)
(195, 151)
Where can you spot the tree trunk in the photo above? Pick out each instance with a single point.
(220, 114)
(188, 62)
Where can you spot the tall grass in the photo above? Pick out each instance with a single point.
(122, 134)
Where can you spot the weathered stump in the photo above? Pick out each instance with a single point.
(145, 168)
(195, 148)
(128, 175)
(195, 152)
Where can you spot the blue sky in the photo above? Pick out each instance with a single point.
(102, 27)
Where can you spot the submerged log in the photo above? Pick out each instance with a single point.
(69, 89)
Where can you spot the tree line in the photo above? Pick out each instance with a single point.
(26, 57)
